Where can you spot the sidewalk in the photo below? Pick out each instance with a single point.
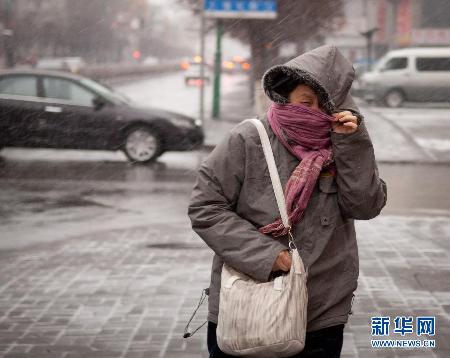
(129, 293)
(235, 107)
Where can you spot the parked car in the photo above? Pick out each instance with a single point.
(237, 64)
(410, 74)
(151, 61)
(59, 110)
(192, 76)
(71, 64)
(361, 67)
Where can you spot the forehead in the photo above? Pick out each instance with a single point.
(304, 90)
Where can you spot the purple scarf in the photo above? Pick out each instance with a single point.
(306, 134)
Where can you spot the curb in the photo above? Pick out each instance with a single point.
(210, 147)
(405, 133)
(207, 147)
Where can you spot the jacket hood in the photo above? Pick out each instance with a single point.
(324, 69)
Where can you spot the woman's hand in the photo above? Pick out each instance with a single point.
(344, 122)
(283, 261)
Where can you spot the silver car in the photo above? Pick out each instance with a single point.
(410, 74)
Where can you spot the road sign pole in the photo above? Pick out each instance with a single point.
(202, 65)
(7, 32)
(233, 9)
(369, 35)
(217, 70)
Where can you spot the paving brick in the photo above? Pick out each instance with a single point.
(110, 295)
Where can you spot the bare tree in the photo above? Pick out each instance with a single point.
(97, 30)
(298, 21)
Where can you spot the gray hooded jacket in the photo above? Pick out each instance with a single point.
(233, 197)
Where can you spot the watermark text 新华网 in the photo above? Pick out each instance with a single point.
(407, 328)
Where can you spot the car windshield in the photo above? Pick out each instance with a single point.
(379, 64)
(106, 92)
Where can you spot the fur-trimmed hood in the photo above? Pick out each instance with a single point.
(325, 69)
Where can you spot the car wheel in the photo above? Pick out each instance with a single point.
(394, 98)
(142, 145)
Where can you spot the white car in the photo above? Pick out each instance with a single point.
(150, 61)
(72, 64)
(410, 74)
(192, 75)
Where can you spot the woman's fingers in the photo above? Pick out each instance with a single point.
(283, 261)
(345, 116)
(351, 125)
(339, 115)
(345, 122)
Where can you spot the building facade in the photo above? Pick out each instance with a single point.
(407, 23)
(396, 24)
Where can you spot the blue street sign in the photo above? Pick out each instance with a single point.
(248, 9)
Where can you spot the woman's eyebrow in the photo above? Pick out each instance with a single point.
(307, 96)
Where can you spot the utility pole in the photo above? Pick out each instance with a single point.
(369, 35)
(8, 33)
(217, 70)
(202, 64)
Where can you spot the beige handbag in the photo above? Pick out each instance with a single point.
(264, 319)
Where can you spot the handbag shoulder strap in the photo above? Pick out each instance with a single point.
(274, 177)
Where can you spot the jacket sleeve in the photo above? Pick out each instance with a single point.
(361, 192)
(214, 219)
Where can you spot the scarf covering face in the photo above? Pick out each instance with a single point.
(306, 134)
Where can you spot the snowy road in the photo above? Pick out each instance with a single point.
(169, 91)
(426, 130)
(52, 195)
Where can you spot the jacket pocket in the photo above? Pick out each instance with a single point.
(326, 204)
(327, 184)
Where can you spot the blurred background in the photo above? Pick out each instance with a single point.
(109, 107)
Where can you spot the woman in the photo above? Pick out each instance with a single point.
(326, 163)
